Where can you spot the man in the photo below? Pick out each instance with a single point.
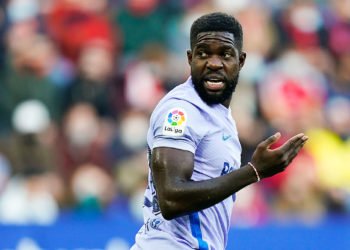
(194, 151)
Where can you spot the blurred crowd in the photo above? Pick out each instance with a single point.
(79, 79)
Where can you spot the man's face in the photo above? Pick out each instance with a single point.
(215, 64)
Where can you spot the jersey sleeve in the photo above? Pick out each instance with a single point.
(177, 124)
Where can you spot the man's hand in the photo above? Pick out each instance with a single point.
(269, 162)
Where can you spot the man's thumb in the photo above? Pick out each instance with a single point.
(271, 140)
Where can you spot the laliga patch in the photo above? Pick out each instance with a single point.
(175, 122)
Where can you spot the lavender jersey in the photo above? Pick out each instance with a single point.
(183, 121)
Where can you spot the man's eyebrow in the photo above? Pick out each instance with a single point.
(201, 45)
(225, 46)
(228, 46)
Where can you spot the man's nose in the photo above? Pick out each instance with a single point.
(214, 63)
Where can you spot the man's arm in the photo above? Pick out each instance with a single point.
(178, 194)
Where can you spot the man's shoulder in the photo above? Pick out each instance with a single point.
(181, 103)
(182, 91)
(184, 94)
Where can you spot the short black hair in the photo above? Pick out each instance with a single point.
(217, 21)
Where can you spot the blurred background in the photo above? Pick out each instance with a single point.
(80, 78)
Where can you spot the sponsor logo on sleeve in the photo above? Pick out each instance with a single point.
(175, 122)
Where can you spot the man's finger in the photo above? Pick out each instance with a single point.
(296, 150)
(271, 140)
(295, 145)
(293, 142)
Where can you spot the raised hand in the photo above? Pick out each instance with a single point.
(269, 162)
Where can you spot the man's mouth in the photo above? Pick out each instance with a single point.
(214, 84)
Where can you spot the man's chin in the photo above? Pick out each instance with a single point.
(215, 96)
(212, 98)
(208, 96)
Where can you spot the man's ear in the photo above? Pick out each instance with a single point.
(189, 57)
(242, 58)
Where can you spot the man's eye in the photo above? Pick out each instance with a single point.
(227, 55)
(202, 54)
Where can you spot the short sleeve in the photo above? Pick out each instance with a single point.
(177, 124)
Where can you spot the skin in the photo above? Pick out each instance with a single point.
(215, 56)
(172, 168)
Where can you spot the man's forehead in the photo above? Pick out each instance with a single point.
(223, 36)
